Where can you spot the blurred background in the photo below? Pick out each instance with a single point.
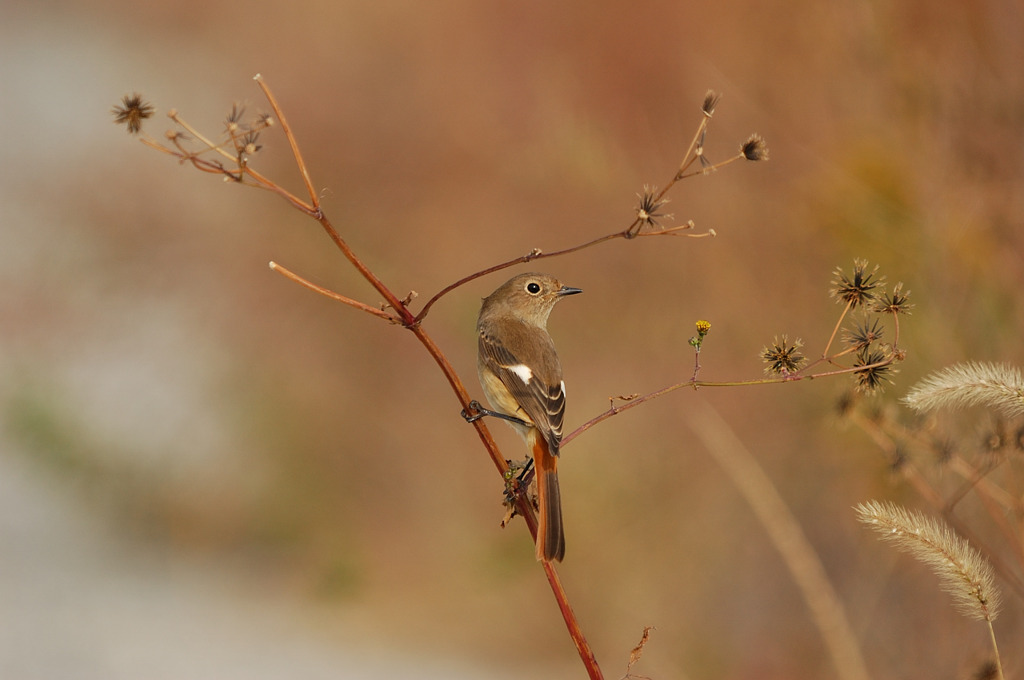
(207, 471)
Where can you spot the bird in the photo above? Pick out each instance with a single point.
(521, 377)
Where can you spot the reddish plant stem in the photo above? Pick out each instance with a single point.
(331, 294)
(584, 650)
(695, 384)
(629, 233)
(410, 322)
(314, 199)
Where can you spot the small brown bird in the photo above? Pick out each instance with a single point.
(522, 378)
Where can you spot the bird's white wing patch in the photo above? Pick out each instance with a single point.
(563, 388)
(523, 371)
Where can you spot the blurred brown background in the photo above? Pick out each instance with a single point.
(207, 471)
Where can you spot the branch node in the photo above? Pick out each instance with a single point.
(621, 397)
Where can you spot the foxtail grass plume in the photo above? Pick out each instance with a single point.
(963, 571)
(997, 386)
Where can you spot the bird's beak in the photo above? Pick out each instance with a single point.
(566, 290)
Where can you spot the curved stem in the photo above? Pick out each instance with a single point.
(411, 323)
(535, 254)
(695, 384)
(538, 254)
(241, 173)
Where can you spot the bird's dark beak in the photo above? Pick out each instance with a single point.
(566, 290)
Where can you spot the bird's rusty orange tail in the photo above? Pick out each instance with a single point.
(550, 536)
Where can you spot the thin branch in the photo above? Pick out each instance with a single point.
(173, 115)
(287, 273)
(694, 152)
(314, 199)
(243, 174)
(803, 373)
(835, 331)
(538, 254)
(696, 384)
(572, 623)
(406, 319)
(714, 167)
(258, 180)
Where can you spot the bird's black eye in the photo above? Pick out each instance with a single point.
(533, 288)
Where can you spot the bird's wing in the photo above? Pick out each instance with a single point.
(534, 379)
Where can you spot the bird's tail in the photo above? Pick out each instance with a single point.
(550, 536)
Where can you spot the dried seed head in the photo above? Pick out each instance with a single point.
(249, 144)
(263, 120)
(131, 112)
(649, 206)
(863, 333)
(232, 123)
(856, 289)
(896, 303)
(871, 377)
(710, 102)
(755, 148)
(782, 357)
(846, 403)
(942, 449)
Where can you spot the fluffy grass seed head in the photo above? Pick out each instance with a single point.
(963, 571)
(999, 387)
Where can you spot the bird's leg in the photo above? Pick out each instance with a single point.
(526, 469)
(481, 412)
